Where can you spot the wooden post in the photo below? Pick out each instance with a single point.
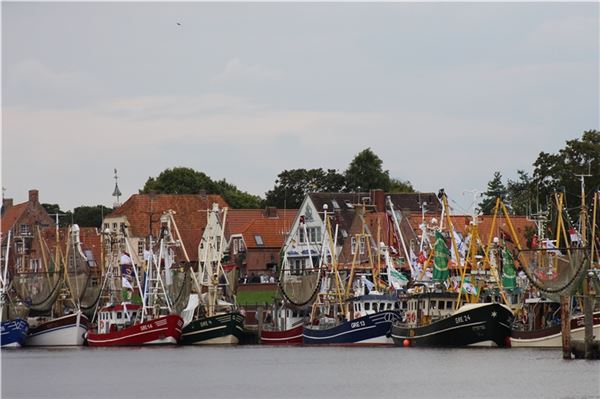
(259, 319)
(565, 321)
(588, 316)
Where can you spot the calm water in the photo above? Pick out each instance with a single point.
(290, 372)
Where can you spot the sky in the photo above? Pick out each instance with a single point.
(444, 93)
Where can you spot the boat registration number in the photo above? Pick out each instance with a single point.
(462, 319)
(358, 324)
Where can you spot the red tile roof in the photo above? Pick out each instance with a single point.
(272, 230)
(190, 215)
(89, 236)
(11, 215)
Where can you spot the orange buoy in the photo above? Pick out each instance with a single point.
(406, 343)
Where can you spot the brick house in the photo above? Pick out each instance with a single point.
(24, 220)
(141, 215)
(256, 237)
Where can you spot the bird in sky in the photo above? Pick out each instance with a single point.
(178, 23)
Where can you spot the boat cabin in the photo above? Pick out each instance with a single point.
(373, 303)
(287, 318)
(424, 308)
(115, 317)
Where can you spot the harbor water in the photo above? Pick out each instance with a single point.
(295, 372)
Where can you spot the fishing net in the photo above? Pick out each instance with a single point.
(300, 289)
(179, 288)
(555, 271)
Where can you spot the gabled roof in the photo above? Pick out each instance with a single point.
(11, 215)
(238, 220)
(273, 231)
(343, 205)
(190, 215)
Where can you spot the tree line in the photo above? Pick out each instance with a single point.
(551, 173)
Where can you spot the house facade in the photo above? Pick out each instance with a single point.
(143, 215)
(347, 212)
(26, 222)
(255, 238)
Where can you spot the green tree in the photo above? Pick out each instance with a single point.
(236, 198)
(292, 186)
(365, 172)
(179, 180)
(400, 186)
(183, 180)
(558, 172)
(495, 189)
(90, 216)
(520, 194)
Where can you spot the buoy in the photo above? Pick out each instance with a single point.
(406, 343)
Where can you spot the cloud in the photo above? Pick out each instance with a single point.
(235, 71)
(32, 82)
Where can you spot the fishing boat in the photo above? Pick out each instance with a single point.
(358, 313)
(12, 331)
(286, 326)
(69, 328)
(215, 319)
(432, 319)
(122, 322)
(539, 325)
(370, 323)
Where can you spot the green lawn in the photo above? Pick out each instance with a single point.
(256, 297)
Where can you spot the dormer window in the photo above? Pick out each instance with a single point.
(259, 240)
(24, 229)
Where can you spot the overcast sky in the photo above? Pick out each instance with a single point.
(445, 94)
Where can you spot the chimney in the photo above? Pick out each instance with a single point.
(7, 203)
(378, 199)
(33, 196)
(271, 212)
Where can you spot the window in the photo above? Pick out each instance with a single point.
(114, 226)
(442, 305)
(367, 306)
(141, 247)
(218, 243)
(236, 246)
(259, 240)
(361, 247)
(118, 315)
(19, 247)
(34, 264)
(24, 229)
(335, 204)
(106, 226)
(301, 235)
(314, 234)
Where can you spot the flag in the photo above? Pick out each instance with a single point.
(367, 283)
(509, 274)
(440, 258)
(468, 288)
(574, 235)
(396, 279)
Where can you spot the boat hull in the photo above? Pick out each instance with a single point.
(551, 337)
(13, 333)
(162, 330)
(67, 330)
(484, 325)
(369, 330)
(292, 336)
(225, 329)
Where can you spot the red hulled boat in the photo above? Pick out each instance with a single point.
(118, 326)
(293, 336)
